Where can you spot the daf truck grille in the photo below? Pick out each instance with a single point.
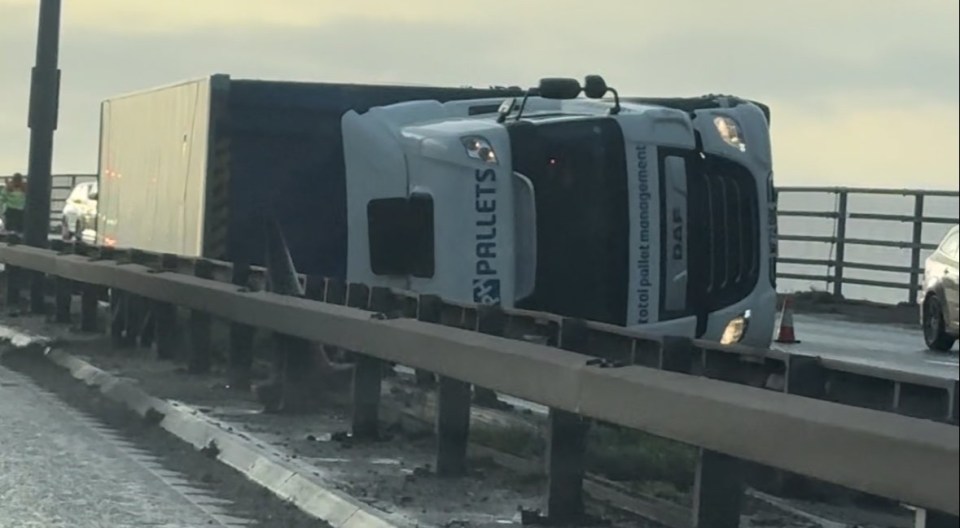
(725, 221)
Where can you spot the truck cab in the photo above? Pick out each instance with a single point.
(650, 214)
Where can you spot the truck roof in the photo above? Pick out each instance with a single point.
(690, 104)
(223, 79)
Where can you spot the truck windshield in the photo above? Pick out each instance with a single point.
(578, 171)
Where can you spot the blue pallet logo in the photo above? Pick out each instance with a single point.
(486, 291)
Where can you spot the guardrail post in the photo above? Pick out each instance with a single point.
(38, 292)
(121, 311)
(294, 357)
(956, 402)
(200, 323)
(804, 376)
(241, 337)
(290, 386)
(841, 243)
(141, 322)
(64, 296)
(335, 292)
(677, 354)
(14, 277)
(165, 330)
(933, 519)
(915, 250)
(13, 297)
(136, 316)
(453, 426)
(89, 297)
(566, 465)
(453, 406)
(148, 324)
(62, 288)
(118, 316)
(567, 444)
(428, 311)
(368, 370)
(718, 491)
(492, 321)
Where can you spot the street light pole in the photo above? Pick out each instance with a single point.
(44, 103)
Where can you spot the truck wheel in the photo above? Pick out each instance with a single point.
(934, 329)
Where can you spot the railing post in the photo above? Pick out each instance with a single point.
(492, 321)
(136, 314)
(334, 292)
(64, 296)
(165, 336)
(453, 426)
(367, 372)
(200, 322)
(915, 249)
(566, 466)
(718, 491)
(840, 243)
(804, 376)
(367, 377)
(148, 325)
(955, 406)
(13, 297)
(89, 297)
(241, 338)
(934, 519)
(567, 444)
(453, 406)
(118, 315)
(38, 292)
(165, 314)
(428, 311)
(677, 354)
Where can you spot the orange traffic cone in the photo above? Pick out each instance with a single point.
(786, 334)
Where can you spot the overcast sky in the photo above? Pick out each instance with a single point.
(863, 92)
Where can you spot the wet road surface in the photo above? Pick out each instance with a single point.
(59, 468)
(882, 345)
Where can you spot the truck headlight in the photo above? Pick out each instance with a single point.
(479, 148)
(736, 329)
(729, 130)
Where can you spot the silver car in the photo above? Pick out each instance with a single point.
(79, 211)
(939, 297)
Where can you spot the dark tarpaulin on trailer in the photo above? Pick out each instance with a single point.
(286, 160)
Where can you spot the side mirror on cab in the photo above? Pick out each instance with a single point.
(559, 88)
(594, 87)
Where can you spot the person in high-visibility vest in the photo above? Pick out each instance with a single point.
(13, 198)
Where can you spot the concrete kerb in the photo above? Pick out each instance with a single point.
(254, 460)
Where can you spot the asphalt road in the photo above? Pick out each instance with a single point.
(883, 345)
(59, 468)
